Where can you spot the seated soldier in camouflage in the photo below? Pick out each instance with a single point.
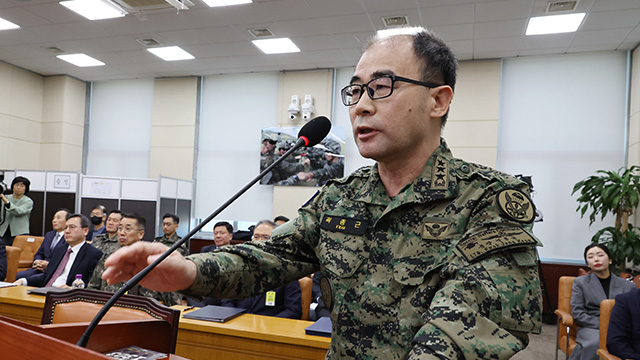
(170, 224)
(424, 256)
(108, 241)
(130, 231)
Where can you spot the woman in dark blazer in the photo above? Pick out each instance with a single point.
(587, 293)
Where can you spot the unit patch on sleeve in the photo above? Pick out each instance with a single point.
(516, 205)
(343, 224)
(477, 246)
(434, 230)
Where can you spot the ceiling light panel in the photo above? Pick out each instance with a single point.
(94, 9)
(81, 60)
(170, 53)
(276, 46)
(217, 3)
(7, 25)
(554, 24)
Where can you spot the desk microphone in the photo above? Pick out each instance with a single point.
(310, 134)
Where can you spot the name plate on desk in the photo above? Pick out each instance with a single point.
(215, 313)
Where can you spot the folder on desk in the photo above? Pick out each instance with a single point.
(44, 290)
(322, 327)
(215, 313)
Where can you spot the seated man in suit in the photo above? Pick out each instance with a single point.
(78, 257)
(623, 337)
(285, 301)
(52, 239)
(107, 242)
(130, 230)
(222, 235)
(170, 223)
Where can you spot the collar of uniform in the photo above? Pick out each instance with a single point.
(434, 182)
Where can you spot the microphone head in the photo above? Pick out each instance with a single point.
(315, 130)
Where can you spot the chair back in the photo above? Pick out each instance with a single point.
(29, 245)
(306, 285)
(564, 343)
(606, 306)
(81, 305)
(13, 256)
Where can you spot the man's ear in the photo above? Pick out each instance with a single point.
(442, 96)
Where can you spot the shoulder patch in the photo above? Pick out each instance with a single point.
(477, 246)
(516, 205)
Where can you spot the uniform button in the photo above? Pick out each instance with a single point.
(464, 168)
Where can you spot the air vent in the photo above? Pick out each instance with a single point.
(260, 33)
(395, 21)
(557, 6)
(149, 42)
(53, 49)
(141, 5)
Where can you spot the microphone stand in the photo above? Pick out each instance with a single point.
(302, 141)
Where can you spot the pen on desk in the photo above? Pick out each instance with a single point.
(188, 308)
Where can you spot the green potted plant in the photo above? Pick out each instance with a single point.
(618, 193)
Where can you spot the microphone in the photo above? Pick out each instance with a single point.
(309, 135)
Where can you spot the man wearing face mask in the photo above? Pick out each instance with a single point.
(98, 217)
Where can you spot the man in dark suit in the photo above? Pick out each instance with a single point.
(222, 235)
(52, 239)
(77, 257)
(284, 302)
(623, 337)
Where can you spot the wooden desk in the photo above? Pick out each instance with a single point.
(249, 337)
(245, 337)
(17, 304)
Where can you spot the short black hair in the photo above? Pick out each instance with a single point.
(281, 218)
(24, 181)
(142, 223)
(225, 224)
(84, 221)
(175, 217)
(116, 211)
(601, 246)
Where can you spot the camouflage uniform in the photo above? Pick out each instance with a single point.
(96, 282)
(172, 240)
(444, 270)
(105, 243)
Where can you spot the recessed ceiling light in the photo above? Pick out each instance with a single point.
(216, 3)
(81, 60)
(276, 46)
(554, 24)
(94, 9)
(7, 25)
(170, 53)
(399, 31)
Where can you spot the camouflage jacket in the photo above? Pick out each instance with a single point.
(445, 269)
(96, 283)
(172, 240)
(106, 244)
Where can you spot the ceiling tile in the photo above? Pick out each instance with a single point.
(611, 19)
(502, 10)
(497, 29)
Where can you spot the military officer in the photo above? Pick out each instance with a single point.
(424, 256)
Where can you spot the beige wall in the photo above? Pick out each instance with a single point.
(21, 94)
(319, 84)
(41, 120)
(472, 128)
(634, 111)
(173, 126)
(62, 123)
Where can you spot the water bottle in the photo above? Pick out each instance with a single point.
(78, 283)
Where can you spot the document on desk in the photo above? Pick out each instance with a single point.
(6, 284)
(322, 327)
(215, 313)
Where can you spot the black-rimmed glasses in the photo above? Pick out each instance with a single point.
(378, 88)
